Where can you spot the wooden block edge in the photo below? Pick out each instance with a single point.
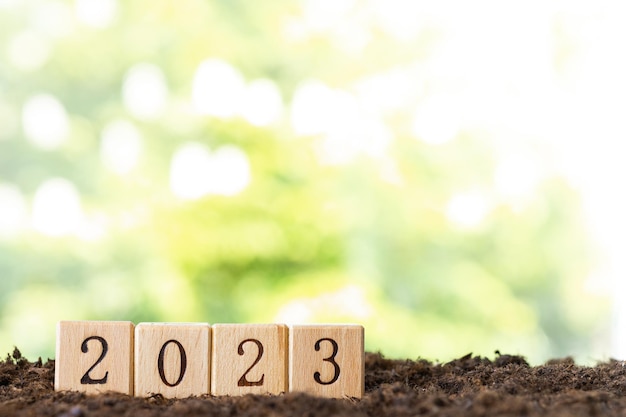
(59, 362)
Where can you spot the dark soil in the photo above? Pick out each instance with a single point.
(469, 386)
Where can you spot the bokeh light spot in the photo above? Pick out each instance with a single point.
(349, 301)
(196, 171)
(96, 13)
(13, 211)
(231, 171)
(45, 121)
(438, 120)
(190, 171)
(28, 51)
(218, 89)
(263, 104)
(311, 108)
(145, 91)
(468, 209)
(57, 208)
(121, 146)
(10, 121)
(54, 19)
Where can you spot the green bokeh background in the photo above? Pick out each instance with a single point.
(369, 239)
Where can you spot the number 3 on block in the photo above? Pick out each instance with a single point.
(327, 360)
(94, 356)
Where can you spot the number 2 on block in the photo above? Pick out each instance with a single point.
(87, 379)
(243, 381)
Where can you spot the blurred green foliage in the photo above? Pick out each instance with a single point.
(368, 240)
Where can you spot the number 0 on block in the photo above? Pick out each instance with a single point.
(172, 359)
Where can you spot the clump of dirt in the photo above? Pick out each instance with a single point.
(468, 386)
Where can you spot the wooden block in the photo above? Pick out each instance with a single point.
(249, 359)
(172, 359)
(327, 360)
(94, 356)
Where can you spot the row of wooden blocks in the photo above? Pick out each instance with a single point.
(178, 360)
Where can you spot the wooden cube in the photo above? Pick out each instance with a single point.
(327, 360)
(94, 356)
(172, 359)
(249, 358)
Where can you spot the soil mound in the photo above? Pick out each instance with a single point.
(468, 386)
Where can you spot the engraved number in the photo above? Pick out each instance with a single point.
(317, 376)
(243, 381)
(183, 363)
(86, 379)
